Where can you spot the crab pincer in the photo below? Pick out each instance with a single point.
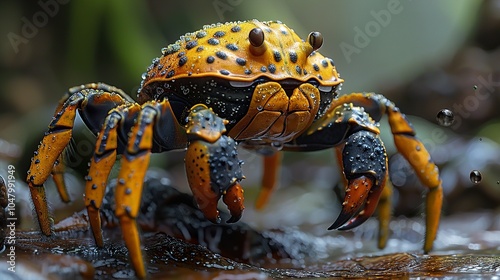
(212, 165)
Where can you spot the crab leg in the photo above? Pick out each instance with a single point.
(48, 159)
(49, 150)
(128, 191)
(212, 165)
(384, 214)
(58, 177)
(100, 166)
(269, 179)
(427, 171)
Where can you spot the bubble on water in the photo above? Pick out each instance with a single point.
(475, 176)
(445, 117)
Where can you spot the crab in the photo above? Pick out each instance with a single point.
(252, 84)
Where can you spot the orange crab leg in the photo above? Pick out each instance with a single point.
(58, 177)
(269, 179)
(384, 214)
(100, 166)
(48, 159)
(128, 191)
(418, 157)
(49, 150)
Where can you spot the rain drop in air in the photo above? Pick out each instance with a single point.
(445, 117)
(475, 176)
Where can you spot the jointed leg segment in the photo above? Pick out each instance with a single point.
(48, 159)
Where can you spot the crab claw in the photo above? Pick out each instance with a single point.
(364, 167)
(212, 165)
(356, 195)
(363, 213)
(233, 198)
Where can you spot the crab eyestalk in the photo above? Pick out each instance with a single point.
(212, 165)
(257, 43)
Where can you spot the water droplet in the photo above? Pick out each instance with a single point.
(445, 117)
(259, 108)
(475, 176)
(498, 182)
(475, 87)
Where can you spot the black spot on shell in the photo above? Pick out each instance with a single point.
(235, 28)
(304, 71)
(320, 77)
(210, 59)
(272, 68)
(241, 61)
(298, 69)
(183, 61)
(263, 69)
(201, 34)
(277, 56)
(221, 54)
(181, 54)
(170, 73)
(232, 47)
(293, 57)
(248, 71)
(191, 44)
(283, 31)
(219, 34)
(331, 62)
(224, 72)
(316, 67)
(324, 63)
(213, 41)
(200, 48)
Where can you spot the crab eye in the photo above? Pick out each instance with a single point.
(315, 39)
(257, 44)
(256, 37)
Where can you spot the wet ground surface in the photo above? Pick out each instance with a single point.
(73, 255)
(176, 238)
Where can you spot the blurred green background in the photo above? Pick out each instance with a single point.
(424, 55)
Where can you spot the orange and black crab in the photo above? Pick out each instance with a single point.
(253, 83)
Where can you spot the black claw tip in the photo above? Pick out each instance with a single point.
(233, 219)
(341, 219)
(354, 223)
